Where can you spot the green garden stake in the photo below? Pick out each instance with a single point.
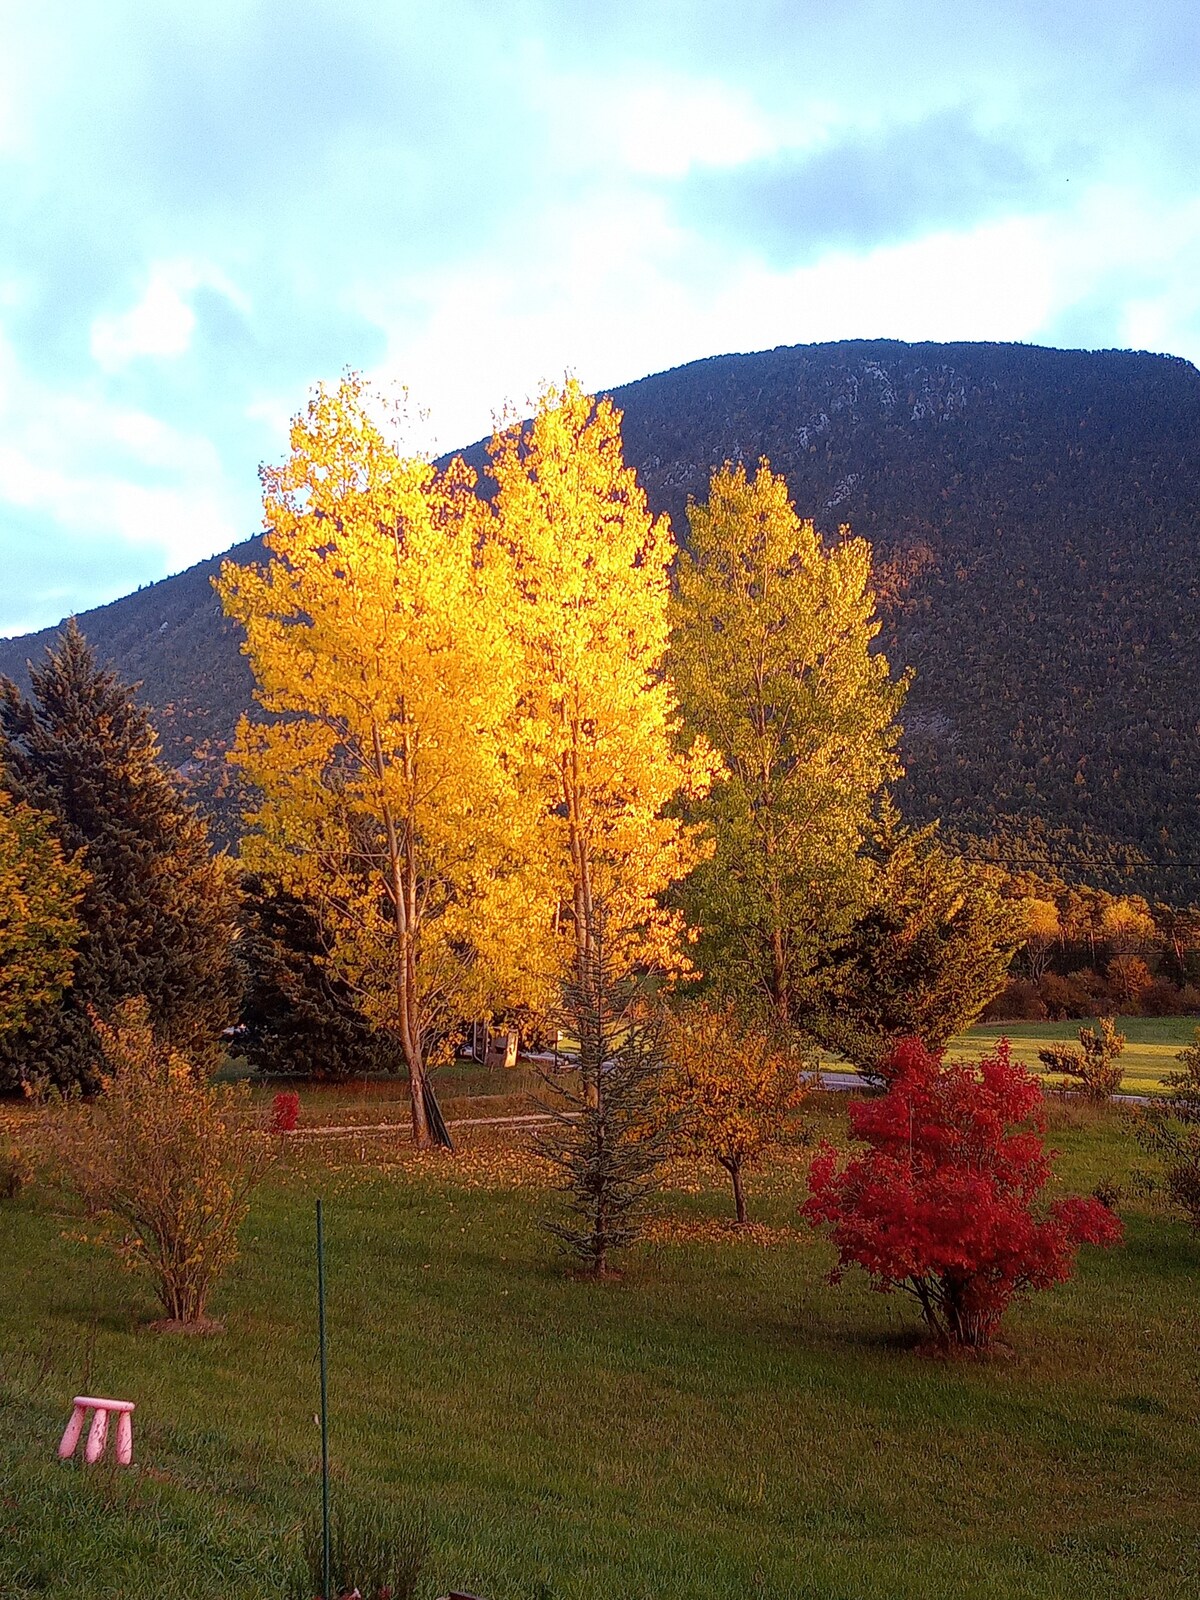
(325, 1550)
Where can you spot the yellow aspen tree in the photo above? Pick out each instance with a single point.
(772, 661)
(590, 569)
(388, 797)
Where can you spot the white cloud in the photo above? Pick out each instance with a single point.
(162, 321)
(664, 128)
(111, 472)
(571, 301)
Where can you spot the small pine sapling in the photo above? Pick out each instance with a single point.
(1092, 1067)
(945, 1202)
(605, 1142)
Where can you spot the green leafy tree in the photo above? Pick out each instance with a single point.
(40, 890)
(929, 949)
(772, 662)
(158, 911)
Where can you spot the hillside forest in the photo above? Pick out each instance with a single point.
(670, 761)
(1032, 518)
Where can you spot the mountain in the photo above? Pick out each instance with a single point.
(1035, 516)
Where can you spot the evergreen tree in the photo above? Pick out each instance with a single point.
(609, 1143)
(929, 949)
(298, 1015)
(158, 911)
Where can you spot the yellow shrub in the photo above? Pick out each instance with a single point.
(167, 1154)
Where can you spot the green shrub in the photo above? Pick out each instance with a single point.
(1091, 1067)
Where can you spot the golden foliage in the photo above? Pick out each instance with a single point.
(379, 636)
(39, 929)
(167, 1155)
(590, 572)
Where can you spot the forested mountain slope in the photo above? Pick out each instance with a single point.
(1036, 521)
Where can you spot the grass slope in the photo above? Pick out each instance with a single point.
(720, 1422)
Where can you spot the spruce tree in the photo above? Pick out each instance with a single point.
(299, 1016)
(158, 911)
(609, 1142)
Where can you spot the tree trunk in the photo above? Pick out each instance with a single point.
(422, 1138)
(734, 1169)
(401, 888)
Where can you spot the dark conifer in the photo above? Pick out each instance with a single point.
(298, 1017)
(158, 913)
(928, 950)
(607, 1143)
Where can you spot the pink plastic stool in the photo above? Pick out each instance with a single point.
(98, 1432)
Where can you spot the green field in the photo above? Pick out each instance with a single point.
(720, 1422)
(1152, 1043)
(468, 1090)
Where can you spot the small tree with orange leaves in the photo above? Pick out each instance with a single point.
(730, 1089)
(168, 1155)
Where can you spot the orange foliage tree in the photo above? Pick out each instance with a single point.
(730, 1088)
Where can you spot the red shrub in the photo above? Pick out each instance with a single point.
(943, 1203)
(285, 1112)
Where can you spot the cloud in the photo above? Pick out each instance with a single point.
(163, 321)
(207, 209)
(80, 474)
(864, 191)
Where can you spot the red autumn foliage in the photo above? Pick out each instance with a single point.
(285, 1112)
(944, 1202)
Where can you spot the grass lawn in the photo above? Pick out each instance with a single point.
(720, 1422)
(464, 1090)
(1151, 1044)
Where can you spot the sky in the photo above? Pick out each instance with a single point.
(205, 210)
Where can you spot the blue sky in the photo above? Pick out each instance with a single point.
(206, 209)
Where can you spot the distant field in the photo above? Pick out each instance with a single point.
(467, 1090)
(1151, 1044)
